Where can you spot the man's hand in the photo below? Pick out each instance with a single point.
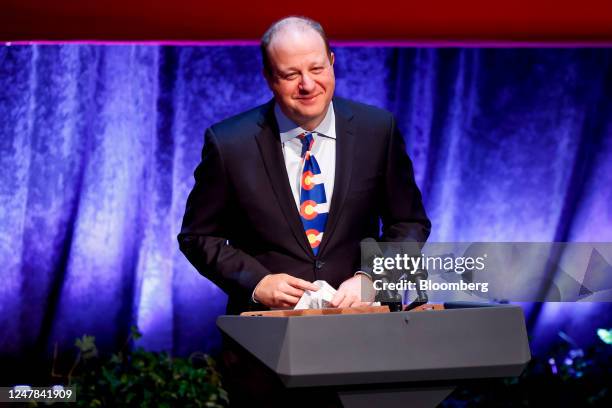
(281, 290)
(350, 293)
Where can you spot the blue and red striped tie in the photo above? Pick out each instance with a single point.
(313, 202)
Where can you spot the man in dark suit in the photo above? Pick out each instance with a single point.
(286, 192)
(242, 227)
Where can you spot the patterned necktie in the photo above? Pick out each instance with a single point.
(313, 203)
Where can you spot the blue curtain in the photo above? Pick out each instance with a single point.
(98, 145)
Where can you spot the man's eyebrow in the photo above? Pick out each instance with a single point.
(290, 70)
(321, 62)
(287, 71)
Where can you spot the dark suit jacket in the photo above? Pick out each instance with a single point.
(241, 222)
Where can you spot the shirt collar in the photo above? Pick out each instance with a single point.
(289, 130)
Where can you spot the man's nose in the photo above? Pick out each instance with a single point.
(307, 84)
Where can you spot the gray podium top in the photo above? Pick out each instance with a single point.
(386, 347)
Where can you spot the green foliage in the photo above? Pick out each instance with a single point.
(140, 378)
(567, 376)
(87, 346)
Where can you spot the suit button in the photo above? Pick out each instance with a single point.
(319, 264)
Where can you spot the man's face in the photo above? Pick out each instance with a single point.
(302, 76)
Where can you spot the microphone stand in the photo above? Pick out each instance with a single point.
(421, 299)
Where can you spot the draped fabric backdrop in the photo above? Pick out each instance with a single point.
(98, 145)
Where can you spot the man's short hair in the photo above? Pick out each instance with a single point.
(302, 21)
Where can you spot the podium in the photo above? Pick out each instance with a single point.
(411, 359)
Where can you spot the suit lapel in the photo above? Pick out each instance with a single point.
(270, 148)
(345, 142)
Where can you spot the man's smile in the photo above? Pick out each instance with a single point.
(307, 100)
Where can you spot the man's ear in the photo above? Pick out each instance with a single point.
(332, 58)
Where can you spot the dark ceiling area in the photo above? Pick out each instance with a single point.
(588, 21)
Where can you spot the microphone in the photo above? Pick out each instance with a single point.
(370, 250)
(421, 299)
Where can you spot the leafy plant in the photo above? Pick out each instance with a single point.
(566, 376)
(140, 378)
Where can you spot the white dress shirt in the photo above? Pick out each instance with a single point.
(323, 149)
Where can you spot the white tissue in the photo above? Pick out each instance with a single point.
(317, 300)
